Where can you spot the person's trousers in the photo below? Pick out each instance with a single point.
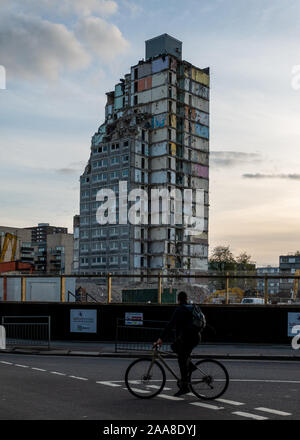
(183, 348)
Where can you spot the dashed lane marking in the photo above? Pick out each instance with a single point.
(230, 402)
(110, 384)
(207, 405)
(138, 390)
(6, 363)
(166, 396)
(273, 411)
(38, 369)
(79, 378)
(249, 415)
(57, 373)
(22, 366)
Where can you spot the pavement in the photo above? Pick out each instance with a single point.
(108, 349)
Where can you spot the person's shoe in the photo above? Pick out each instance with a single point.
(182, 391)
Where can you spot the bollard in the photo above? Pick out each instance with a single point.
(109, 287)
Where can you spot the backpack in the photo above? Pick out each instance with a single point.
(198, 320)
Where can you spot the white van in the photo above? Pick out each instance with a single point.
(253, 301)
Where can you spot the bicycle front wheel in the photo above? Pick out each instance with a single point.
(145, 378)
(210, 379)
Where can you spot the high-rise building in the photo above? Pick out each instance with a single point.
(289, 264)
(49, 249)
(155, 136)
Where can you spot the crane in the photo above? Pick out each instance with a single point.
(14, 240)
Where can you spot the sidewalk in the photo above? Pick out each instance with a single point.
(217, 351)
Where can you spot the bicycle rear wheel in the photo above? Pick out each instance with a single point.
(210, 380)
(145, 378)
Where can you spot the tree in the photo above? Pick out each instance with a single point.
(222, 256)
(223, 260)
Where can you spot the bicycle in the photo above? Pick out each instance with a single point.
(208, 381)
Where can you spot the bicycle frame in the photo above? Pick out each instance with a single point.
(156, 355)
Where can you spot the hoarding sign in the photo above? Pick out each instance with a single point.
(134, 318)
(83, 321)
(293, 320)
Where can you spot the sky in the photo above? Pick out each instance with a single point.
(62, 56)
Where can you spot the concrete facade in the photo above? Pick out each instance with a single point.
(155, 136)
(48, 248)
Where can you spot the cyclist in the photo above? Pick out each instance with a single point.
(186, 340)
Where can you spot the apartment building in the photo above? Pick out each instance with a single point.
(273, 283)
(155, 137)
(48, 248)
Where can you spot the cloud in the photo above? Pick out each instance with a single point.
(64, 7)
(134, 8)
(67, 171)
(272, 176)
(31, 47)
(232, 158)
(89, 7)
(101, 37)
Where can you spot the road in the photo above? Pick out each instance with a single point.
(87, 388)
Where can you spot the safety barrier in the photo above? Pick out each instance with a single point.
(27, 330)
(140, 335)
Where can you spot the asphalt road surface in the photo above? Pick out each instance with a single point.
(86, 388)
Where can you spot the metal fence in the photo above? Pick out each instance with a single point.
(27, 330)
(140, 336)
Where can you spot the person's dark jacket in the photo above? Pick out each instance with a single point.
(181, 321)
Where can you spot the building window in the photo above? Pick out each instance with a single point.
(114, 175)
(115, 160)
(113, 232)
(113, 260)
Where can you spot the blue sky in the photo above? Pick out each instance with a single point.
(62, 56)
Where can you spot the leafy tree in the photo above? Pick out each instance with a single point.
(223, 260)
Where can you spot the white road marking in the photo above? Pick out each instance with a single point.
(79, 378)
(58, 374)
(273, 411)
(230, 402)
(6, 363)
(249, 416)
(38, 369)
(157, 387)
(207, 405)
(23, 366)
(166, 396)
(110, 384)
(137, 390)
(265, 380)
